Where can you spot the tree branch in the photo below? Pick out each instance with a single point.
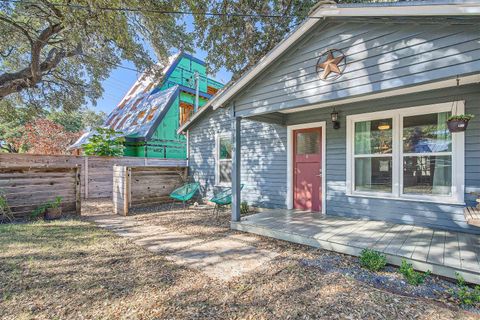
(31, 75)
(17, 26)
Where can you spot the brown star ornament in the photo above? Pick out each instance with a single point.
(330, 65)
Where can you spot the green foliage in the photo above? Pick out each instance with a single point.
(244, 208)
(12, 122)
(219, 36)
(57, 54)
(413, 277)
(105, 142)
(5, 213)
(466, 296)
(75, 121)
(372, 260)
(41, 209)
(56, 203)
(461, 117)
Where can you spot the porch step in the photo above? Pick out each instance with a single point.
(472, 215)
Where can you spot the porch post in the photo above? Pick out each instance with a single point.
(236, 171)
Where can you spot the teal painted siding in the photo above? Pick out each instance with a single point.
(165, 141)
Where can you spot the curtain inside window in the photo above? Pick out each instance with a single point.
(442, 167)
(363, 138)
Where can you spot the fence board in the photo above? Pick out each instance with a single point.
(96, 180)
(26, 188)
(137, 186)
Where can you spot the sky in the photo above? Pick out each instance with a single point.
(120, 80)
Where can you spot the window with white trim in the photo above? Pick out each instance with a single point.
(405, 153)
(223, 170)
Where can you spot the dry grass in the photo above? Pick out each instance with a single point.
(70, 269)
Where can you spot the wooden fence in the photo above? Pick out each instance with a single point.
(26, 188)
(96, 172)
(138, 186)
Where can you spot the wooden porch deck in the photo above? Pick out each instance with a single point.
(441, 252)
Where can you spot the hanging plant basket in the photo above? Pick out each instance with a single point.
(458, 123)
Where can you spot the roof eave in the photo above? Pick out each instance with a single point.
(326, 11)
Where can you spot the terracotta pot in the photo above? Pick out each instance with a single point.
(53, 213)
(457, 125)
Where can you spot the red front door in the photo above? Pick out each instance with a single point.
(307, 170)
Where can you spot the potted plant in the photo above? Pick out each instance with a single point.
(459, 122)
(49, 211)
(54, 210)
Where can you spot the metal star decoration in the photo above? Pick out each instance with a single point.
(330, 64)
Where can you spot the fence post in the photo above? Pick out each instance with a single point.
(128, 189)
(85, 177)
(78, 191)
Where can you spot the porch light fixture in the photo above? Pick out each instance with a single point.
(335, 122)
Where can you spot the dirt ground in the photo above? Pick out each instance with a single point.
(71, 269)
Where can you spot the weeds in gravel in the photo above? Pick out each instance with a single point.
(244, 208)
(372, 260)
(413, 277)
(466, 296)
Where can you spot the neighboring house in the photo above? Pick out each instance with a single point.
(153, 109)
(347, 116)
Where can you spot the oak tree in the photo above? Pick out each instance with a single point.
(55, 54)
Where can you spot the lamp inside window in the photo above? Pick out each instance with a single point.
(383, 126)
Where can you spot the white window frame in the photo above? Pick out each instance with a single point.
(219, 136)
(397, 115)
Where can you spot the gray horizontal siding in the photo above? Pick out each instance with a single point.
(421, 213)
(263, 158)
(379, 57)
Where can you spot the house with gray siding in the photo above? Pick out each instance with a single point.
(348, 117)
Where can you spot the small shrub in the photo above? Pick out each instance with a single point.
(105, 142)
(372, 260)
(466, 296)
(40, 210)
(56, 203)
(5, 213)
(413, 277)
(244, 209)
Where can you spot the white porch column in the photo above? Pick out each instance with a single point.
(236, 171)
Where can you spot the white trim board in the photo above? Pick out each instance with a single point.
(458, 154)
(290, 129)
(387, 94)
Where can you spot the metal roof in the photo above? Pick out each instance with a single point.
(139, 117)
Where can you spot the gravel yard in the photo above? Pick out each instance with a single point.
(72, 269)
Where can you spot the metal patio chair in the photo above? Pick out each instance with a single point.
(222, 199)
(184, 193)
